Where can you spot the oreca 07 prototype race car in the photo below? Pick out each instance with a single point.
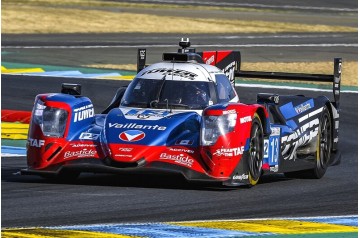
(183, 115)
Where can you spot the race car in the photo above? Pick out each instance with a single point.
(183, 115)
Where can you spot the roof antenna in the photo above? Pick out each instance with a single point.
(184, 43)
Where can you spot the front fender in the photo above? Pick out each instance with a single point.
(225, 157)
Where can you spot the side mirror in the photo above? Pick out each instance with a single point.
(72, 89)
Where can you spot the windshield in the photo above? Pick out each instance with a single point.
(155, 93)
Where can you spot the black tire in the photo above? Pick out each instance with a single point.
(323, 152)
(324, 146)
(256, 150)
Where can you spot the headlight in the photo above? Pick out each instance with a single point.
(52, 121)
(214, 126)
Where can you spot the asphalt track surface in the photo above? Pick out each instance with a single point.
(116, 49)
(33, 201)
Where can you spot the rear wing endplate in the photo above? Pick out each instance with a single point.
(141, 59)
(334, 78)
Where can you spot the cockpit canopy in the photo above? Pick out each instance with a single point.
(155, 93)
(189, 86)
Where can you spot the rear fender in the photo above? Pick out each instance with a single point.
(335, 119)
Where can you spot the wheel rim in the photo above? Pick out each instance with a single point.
(325, 142)
(255, 152)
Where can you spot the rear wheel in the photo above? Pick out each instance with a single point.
(323, 151)
(256, 151)
(324, 145)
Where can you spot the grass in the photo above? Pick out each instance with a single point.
(58, 18)
(349, 69)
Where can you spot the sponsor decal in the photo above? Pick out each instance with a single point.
(210, 60)
(272, 147)
(229, 71)
(184, 142)
(80, 153)
(132, 135)
(179, 159)
(136, 126)
(275, 131)
(182, 150)
(88, 136)
(127, 156)
(245, 119)
(36, 142)
(232, 111)
(145, 114)
(142, 54)
(302, 108)
(82, 145)
(230, 152)
(240, 177)
(125, 149)
(298, 138)
(174, 72)
(83, 113)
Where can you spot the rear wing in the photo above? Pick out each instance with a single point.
(335, 78)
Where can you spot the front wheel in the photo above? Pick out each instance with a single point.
(256, 150)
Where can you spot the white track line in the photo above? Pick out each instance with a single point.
(172, 46)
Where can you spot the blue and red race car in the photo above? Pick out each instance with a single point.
(183, 115)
